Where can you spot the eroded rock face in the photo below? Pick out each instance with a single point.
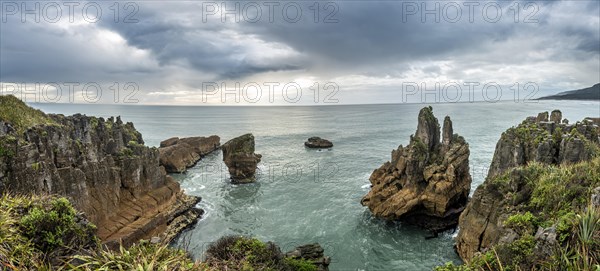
(240, 159)
(103, 167)
(595, 200)
(535, 139)
(556, 116)
(176, 154)
(426, 183)
(316, 142)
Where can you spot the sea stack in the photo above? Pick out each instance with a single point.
(426, 183)
(240, 159)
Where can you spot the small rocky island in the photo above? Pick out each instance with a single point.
(316, 142)
(426, 183)
(179, 154)
(240, 159)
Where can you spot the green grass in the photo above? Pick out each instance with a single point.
(300, 264)
(19, 115)
(46, 233)
(5, 150)
(141, 256)
(522, 223)
(559, 196)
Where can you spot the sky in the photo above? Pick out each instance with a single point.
(296, 52)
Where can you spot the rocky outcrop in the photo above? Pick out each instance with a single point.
(556, 116)
(313, 253)
(595, 199)
(426, 183)
(101, 165)
(240, 159)
(245, 253)
(535, 169)
(176, 154)
(537, 139)
(316, 142)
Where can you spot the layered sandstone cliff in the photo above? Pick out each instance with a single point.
(178, 154)
(426, 183)
(101, 165)
(543, 172)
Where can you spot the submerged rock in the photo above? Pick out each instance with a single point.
(316, 142)
(240, 159)
(426, 183)
(176, 154)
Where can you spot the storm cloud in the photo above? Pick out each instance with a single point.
(368, 48)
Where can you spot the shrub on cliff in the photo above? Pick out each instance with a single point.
(37, 232)
(55, 226)
(250, 254)
(555, 226)
(47, 233)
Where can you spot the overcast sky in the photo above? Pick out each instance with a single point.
(346, 51)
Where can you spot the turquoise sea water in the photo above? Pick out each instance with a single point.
(303, 196)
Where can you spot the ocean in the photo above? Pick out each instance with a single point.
(303, 195)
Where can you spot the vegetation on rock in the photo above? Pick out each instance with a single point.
(19, 115)
(557, 198)
(47, 233)
(100, 164)
(427, 182)
(39, 232)
(250, 254)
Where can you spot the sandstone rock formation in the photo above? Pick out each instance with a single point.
(509, 189)
(101, 165)
(313, 253)
(316, 142)
(176, 154)
(426, 183)
(556, 116)
(537, 139)
(240, 159)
